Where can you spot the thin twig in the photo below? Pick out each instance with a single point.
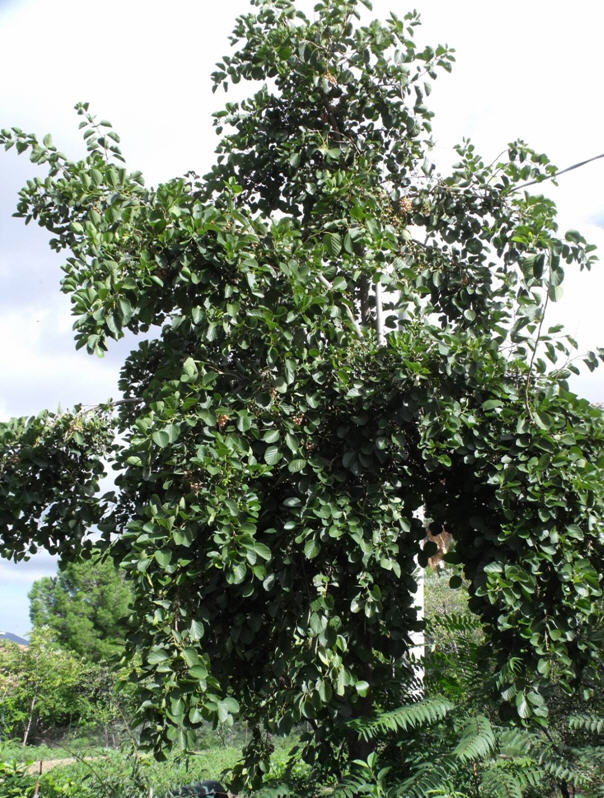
(561, 172)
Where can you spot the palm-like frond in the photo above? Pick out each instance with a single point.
(351, 787)
(497, 782)
(410, 716)
(428, 778)
(477, 740)
(458, 623)
(594, 724)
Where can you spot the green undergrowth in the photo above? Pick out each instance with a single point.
(114, 774)
(105, 773)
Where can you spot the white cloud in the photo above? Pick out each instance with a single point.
(27, 571)
(39, 367)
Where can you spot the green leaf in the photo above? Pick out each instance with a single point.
(157, 655)
(491, 404)
(522, 706)
(272, 455)
(295, 466)
(195, 716)
(362, 688)
(196, 630)
(189, 368)
(173, 432)
(244, 421)
(262, 550)
(191, 657)
(291, 442)
(226, 708)
(163, 557)
(555, 293)
(542, 420)
(325, 691)
(290, 371)
(208, 416)
(161, 438)
(292, 501)
(311, 549)
(333, 244)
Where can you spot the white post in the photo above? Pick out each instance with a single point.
(418, 650)
(418, 639)
(380, 327)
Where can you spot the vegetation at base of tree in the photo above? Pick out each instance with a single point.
(85, 607)
(275, 439)
(118, 774)
(456, 742)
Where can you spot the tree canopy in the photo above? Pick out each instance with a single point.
(85, 607)
(271, 451)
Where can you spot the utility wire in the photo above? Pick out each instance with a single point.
(561, 172)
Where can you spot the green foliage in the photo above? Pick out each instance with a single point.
(51, 506)
(462, 746)
(271, 450)
(85, 606)
(469, 749)
(46, 690)
(128, 774)
(419, 714)
(440, 600)
(15, 781)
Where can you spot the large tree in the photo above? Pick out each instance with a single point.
(85, 606)
(272, 446)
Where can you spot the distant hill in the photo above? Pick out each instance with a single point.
(20, 641)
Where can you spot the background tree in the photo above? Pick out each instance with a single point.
(46, 690)
(272, 451)
(85, 607)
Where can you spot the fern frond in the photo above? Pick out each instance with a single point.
(559, 770)
(594, 724)
(429, 778)
(456, 623)
(515, 742)
(477, 740)
(542, 752)
(350, 787)
(531, 776)
(410, 716)
(500, 783)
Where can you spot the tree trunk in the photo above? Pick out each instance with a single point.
(358, 748)
(29, 720)
(564, 791)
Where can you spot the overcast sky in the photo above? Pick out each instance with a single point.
(528, 70)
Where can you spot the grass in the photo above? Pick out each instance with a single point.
(108, 773)
(131, 776)
(114, 774)
(79, 746)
